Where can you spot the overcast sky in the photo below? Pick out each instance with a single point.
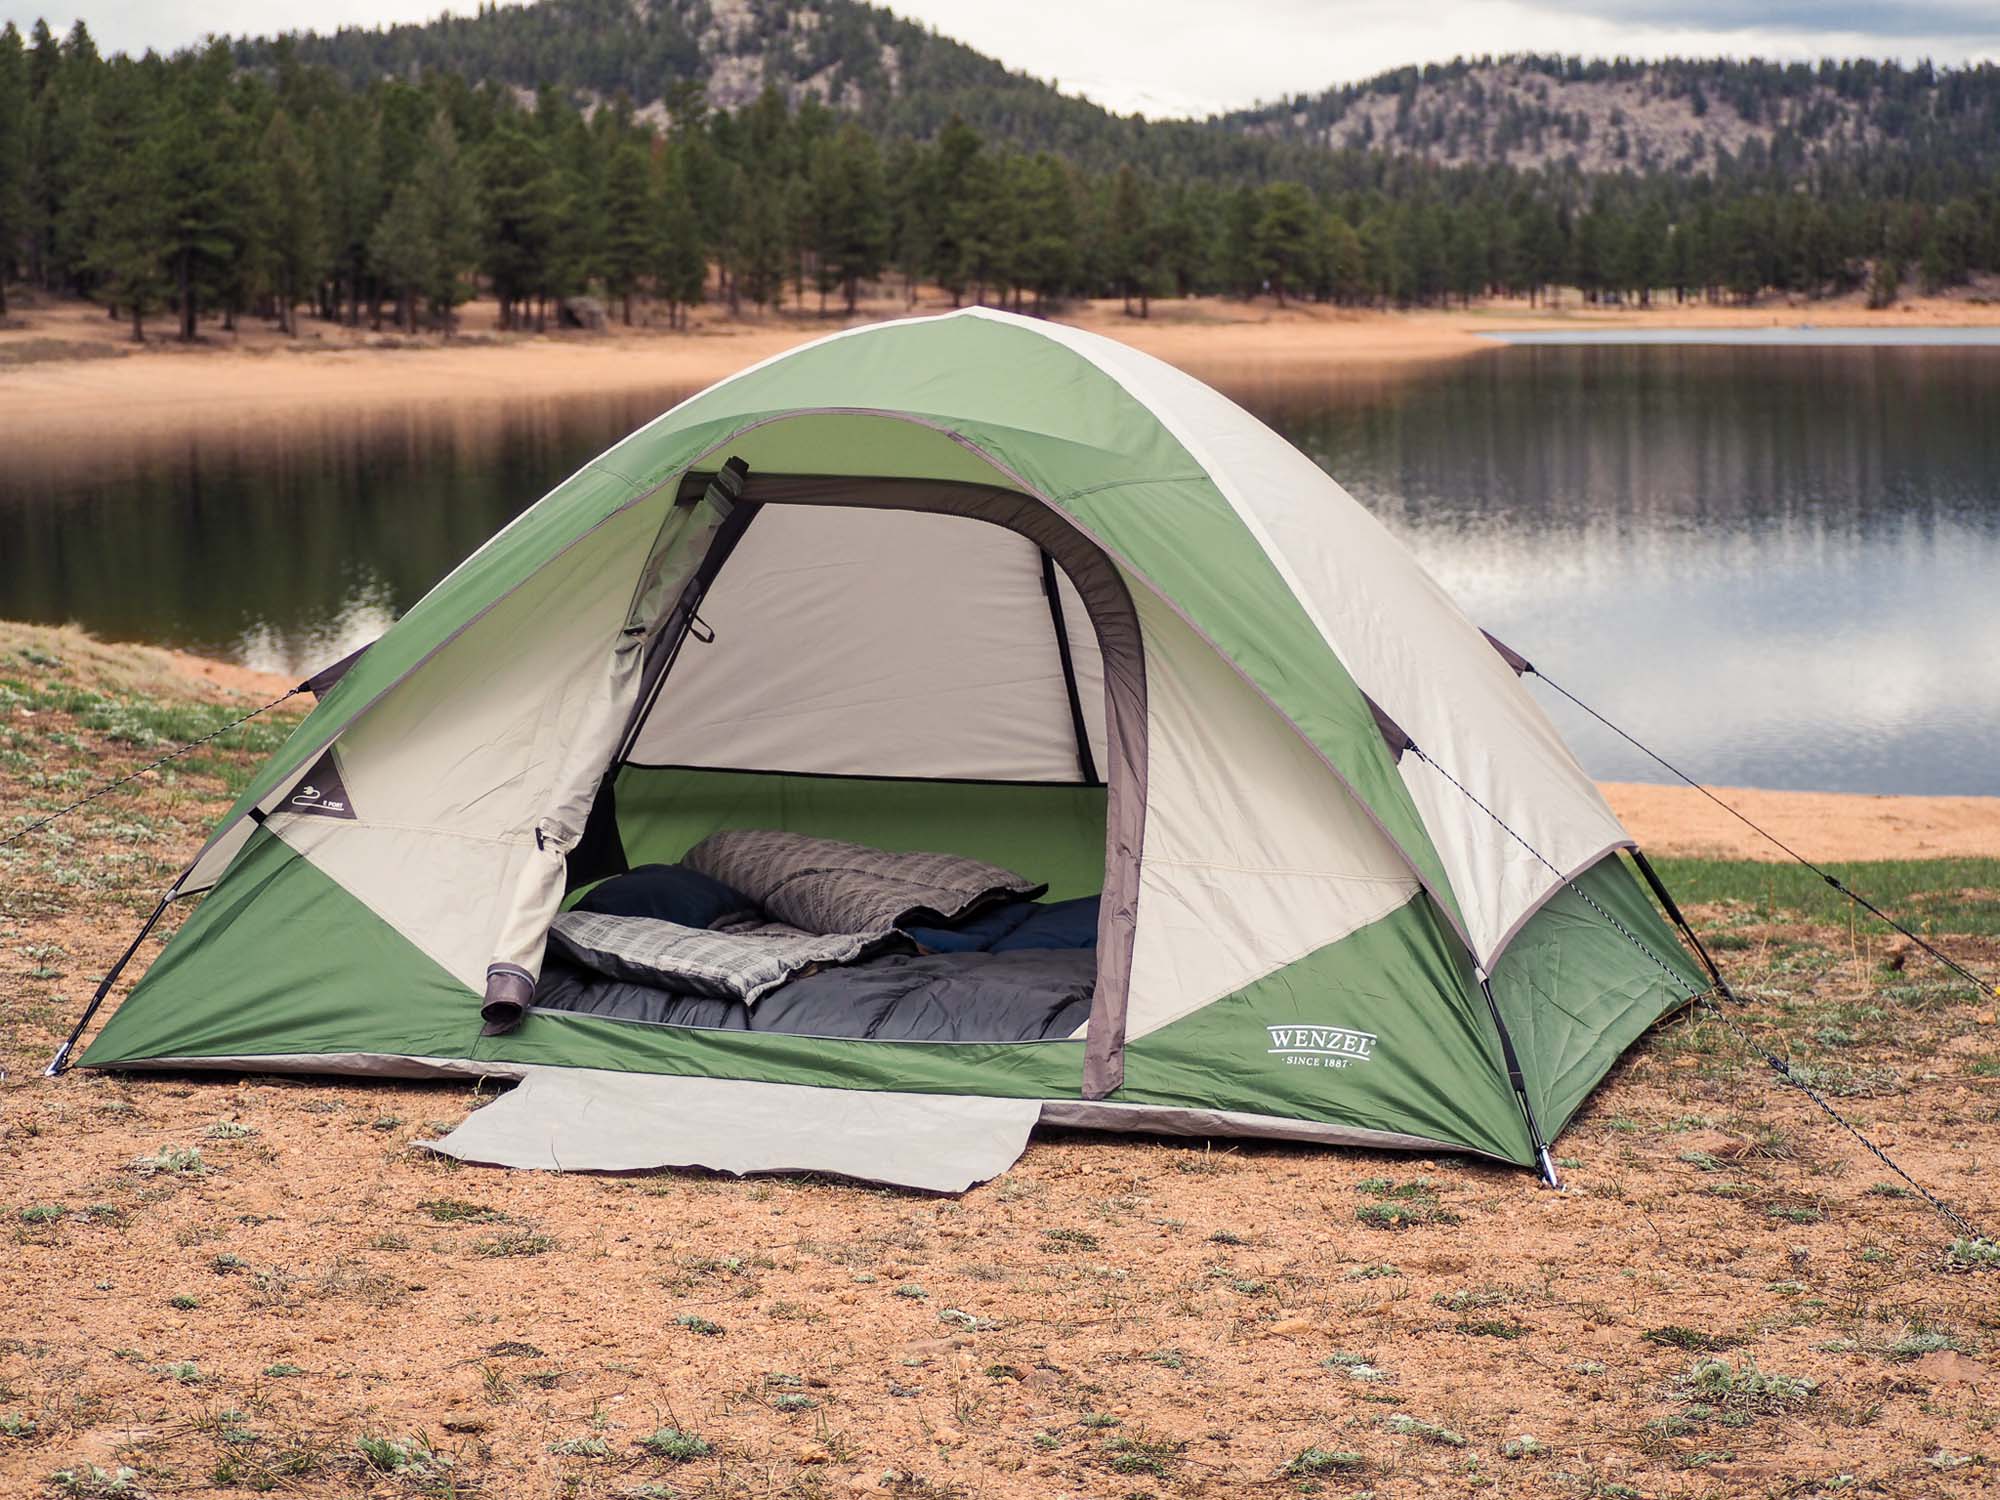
(1196, 56)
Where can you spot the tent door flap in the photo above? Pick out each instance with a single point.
(599, 1120)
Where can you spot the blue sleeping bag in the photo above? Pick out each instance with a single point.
(1016, 925)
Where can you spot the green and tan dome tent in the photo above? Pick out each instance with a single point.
(977, 585)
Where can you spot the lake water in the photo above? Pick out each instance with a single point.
(1780, 566)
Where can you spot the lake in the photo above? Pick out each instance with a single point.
(1778, 565)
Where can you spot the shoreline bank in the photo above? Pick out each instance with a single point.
(68, 375)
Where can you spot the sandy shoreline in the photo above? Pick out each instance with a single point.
(69, 376)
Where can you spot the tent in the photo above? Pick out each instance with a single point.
(973, 583)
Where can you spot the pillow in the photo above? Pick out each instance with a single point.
(975, 934)
(666, 893)
(824, 885)
(1060, 924)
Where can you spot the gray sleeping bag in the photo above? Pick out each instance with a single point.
(1023, 996)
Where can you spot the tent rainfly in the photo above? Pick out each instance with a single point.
(976, 584)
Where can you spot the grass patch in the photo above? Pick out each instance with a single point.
(1404, 1425)
(88, 1482)
(1745, 1387)
(1316, 1461)
(1916, 1343)
(1137, 1455)
(1953, 895)
(1406, 1205)
(1679, 1336)
(675, 1445)
(1056, 1241)
(172, 1161)
(410, 1458)
(1979, 1254)
(513, 1242)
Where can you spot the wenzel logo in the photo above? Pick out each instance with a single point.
(1320, 1046)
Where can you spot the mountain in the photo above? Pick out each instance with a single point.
(859, 59)
(1674, 117)
(1678, 116)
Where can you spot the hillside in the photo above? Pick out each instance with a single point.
(1679, 116)
(859, 59)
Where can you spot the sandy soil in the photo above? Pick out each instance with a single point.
(1820, 825)
(68, 375)
(309, 1306)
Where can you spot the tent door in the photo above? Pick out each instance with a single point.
(1107, 602)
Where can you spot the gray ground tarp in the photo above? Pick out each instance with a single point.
(589, 1120)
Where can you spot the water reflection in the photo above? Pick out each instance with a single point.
(286, 547)
(1782, 565)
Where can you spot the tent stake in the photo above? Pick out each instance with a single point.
(60, 1062)
(1544, 1164)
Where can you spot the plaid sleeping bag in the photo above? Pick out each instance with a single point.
(836, 903)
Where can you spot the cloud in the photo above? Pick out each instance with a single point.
(1945, 20)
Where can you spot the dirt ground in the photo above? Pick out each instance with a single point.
(71, 380)
(1677, 820)
(217, 1285)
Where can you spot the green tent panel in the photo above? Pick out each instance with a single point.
(977, 585)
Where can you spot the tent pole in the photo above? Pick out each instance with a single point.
(1543, 1163)
(60, 1062)
(1674, 912)
(1086, 767)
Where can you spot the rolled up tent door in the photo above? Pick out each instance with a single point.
(683, 552)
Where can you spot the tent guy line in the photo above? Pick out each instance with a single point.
(1834, 881)
(1706, 999)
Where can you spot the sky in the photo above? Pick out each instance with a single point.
(1198, 56)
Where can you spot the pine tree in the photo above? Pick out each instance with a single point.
(194, 145)
(1342, 263)
(1239, 266)
(629, 228)
(915, 202)
(297, 231)
(13, 157)
(765, 249)
(1130, 240)
(122, 206)
(401, 251)
(445, 182)
(1046, 262)
(348, 145)
(961, 173)
(854, 205)
(680, 268)
(62, 77)
(1281, 244)
(523, 207)
(1183, 241)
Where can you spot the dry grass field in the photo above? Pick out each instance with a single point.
(227, 1285)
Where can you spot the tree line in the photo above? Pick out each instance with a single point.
(197, 186)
